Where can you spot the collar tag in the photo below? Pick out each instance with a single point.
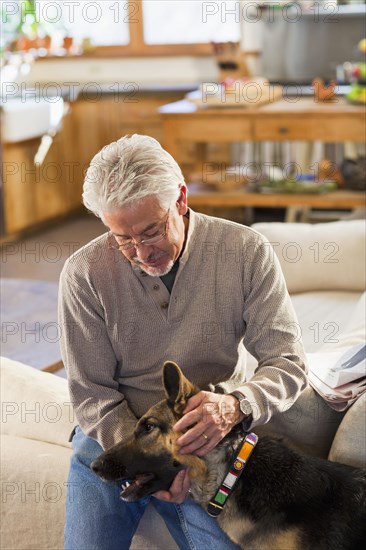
(217, 503)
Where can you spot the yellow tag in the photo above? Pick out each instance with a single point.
(245, 451)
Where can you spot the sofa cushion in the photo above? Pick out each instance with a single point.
(33, 483)
(349, 444)
(324, 256)
(324, 317)
(35, 404)
(355, 330)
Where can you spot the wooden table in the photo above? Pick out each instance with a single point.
(283, 120)
(199, 197)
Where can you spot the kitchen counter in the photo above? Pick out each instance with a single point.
(93, 90)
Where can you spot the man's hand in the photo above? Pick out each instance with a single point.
(209, 417)
(179, 489)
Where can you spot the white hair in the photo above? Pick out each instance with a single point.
(128, 170)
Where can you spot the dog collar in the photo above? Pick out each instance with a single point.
(217, 503)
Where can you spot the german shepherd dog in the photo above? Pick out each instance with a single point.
(283, 500)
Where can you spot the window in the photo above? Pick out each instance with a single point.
(130, 27)
(190, 21)
(104, 22)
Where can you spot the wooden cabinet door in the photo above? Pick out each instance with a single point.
(50, 188)
(19, 175)
(37, 194)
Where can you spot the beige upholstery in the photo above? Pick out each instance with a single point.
(350, 439)
(33, 477)
(325, 256)
(35, 404)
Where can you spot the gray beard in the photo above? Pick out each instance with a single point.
(154, 271)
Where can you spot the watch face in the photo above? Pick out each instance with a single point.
(245, 407)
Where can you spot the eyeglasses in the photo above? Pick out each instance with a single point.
(130, 243)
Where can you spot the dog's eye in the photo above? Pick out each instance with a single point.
(149, 427)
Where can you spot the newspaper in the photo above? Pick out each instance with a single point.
(340, 378)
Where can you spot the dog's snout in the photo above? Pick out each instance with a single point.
(98, 465)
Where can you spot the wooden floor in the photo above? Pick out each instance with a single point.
(40, 258)
(42, 255)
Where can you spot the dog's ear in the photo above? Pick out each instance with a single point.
(177, 387)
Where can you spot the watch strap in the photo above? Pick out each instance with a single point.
(247, 420)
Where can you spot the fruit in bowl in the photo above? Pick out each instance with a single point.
(362, 45)
(359, 72)
(357, 94)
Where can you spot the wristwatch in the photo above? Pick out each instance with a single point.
(244, 405)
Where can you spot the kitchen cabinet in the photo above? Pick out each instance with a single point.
(18, 186)
(35, 194)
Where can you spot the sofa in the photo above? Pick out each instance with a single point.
(324, 267)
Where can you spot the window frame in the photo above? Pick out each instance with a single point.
(138, 48)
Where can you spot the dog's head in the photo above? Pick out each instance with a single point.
(149, 460)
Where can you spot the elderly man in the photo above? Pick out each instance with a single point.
(166, 283)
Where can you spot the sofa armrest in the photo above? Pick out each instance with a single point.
(35, 404)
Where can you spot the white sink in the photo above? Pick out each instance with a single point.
(31, 117)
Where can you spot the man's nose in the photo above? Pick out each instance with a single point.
(143, 251)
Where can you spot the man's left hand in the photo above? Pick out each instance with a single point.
(179, 489)
(208, 417)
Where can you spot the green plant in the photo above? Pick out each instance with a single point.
(28, 23)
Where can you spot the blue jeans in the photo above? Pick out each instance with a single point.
(97, 519)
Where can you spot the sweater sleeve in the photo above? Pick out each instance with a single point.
(272, 336)
(90, 362)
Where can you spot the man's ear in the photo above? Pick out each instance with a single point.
(178, 388)
(182, 200)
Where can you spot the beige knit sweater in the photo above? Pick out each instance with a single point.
(119, 325)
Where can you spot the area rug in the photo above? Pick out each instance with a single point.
(29, 328)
